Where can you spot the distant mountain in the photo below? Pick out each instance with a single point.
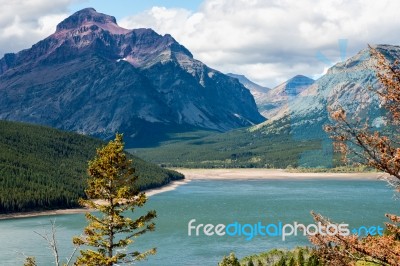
(259, 92)
(270, 101)
(282, 95)
(346, 84)
(294, 134)
(44, 168)
(94, 77)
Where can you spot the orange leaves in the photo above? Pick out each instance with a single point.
(339, 115)
(348, 250)
(379, 151)
(389, 76)
(393, 218)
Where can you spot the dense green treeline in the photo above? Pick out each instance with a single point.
(243, 149)
(44, 168)
(300, 256)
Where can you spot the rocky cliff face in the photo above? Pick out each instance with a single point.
(271, 101)
(259, 92)
(97, 78)
(280, 96)
(347, 84)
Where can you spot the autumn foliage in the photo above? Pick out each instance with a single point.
(339, 250)
(361, 143)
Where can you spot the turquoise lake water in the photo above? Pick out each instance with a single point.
(356, 202)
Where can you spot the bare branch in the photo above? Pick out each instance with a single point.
(51, 241)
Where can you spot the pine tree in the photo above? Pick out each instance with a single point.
(313, 261)
(231, 260)
(30, 261)
(300, 258)
(291, 262)
(111, 191)
(281, 262)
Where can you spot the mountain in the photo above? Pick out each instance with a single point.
(270, 101)
(347, 84)
(282, 94)
(294, 134)
(94, 77)
(45, 168)
(259, 92)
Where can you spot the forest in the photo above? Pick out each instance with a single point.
(42, 168)
(242, 148)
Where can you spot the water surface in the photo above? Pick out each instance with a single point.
(355, 202)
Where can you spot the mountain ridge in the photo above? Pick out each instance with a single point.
(270, 100)
(294, 136)
(98, 78)
(283, 94)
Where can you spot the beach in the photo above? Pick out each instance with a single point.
(257, 173)
(217, 174)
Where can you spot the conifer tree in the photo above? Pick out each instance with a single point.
(111, 191)
(281, 262)
(30, 261)
(230, 260)
(291, 262)
(300, 258)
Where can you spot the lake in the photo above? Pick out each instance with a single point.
(356, 202)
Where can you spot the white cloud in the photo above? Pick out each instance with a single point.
(270, 41)
(23, 23)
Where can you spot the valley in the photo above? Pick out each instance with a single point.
(215, 122)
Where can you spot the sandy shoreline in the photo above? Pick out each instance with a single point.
(216, 174)
(257, 173)
(150, 192)
(41, 213)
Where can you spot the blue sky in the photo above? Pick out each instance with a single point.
(123, 8)
(269, 41)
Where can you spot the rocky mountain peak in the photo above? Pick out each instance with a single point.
(85, 16)
(96, 78)
(297, 84)
(255, 89)
(347, 84)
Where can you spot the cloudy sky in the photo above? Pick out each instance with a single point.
(269, 41)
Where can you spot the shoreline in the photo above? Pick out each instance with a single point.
(149, 192)
(215, 174)
(271, 174)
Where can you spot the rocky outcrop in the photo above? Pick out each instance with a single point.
(94, 77)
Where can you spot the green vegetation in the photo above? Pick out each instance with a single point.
(44, 168)
(112, 180)
(338, 169)
(230, 260)
(241, 149)
(300, 256)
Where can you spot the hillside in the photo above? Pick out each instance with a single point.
(282, 95)
(270, 101)
(93, 77)
(238, 149)
(259, 92)
(294, 134)
(44, 168)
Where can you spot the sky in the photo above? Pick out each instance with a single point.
(269, 41)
